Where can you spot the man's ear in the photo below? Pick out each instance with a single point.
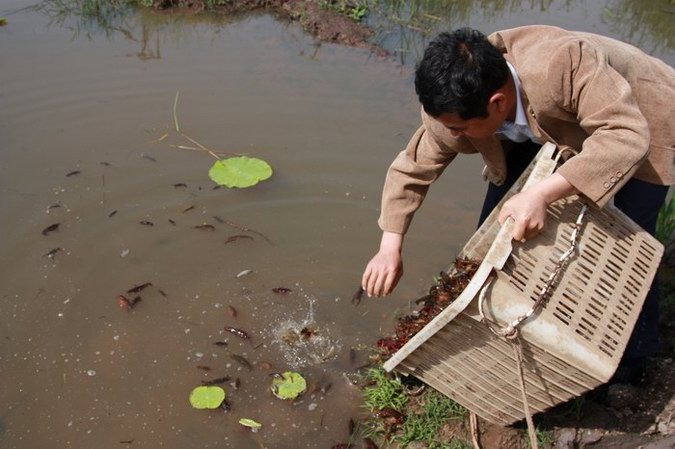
(498, 99)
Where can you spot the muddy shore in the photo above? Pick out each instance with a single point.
(320, 19)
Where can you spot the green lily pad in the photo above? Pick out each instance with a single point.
(240, 171)
(289, 385)
(207, 397)
(254, 425)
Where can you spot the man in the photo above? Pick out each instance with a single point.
(503, 97)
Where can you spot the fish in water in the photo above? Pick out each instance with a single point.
(238, 332)
(358, 294)
(242, 361)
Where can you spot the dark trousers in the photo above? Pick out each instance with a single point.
(639, 200)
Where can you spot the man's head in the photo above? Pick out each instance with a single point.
(459, 75)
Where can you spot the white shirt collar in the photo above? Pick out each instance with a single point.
(521, 118)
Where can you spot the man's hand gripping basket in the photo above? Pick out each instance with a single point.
(589, 274)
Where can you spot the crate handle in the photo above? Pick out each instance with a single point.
(511, 330)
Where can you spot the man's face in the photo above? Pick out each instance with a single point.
(477, 128)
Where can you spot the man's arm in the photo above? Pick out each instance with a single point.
(581, 81)
(405, 187)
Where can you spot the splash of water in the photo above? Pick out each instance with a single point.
(303, 342)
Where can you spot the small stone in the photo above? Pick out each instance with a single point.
(590, 436)
(565, 438)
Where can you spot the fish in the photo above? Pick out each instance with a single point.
(187, 209)
(242, 361)
(52, 253)
(237, 237)
(51, 228)
(356, 297)
(72, 173)
(112, 213)
(127, 304)
(139, 288)
(225, 406)
(205, 227)
(281, 290)
(180, 185)
(390, 416)
(238, 332)
(217, 381)
(231, 311)
(146, 223)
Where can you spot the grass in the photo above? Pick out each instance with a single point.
(545, 438)
(426, 414)
(383, 391)
(665, 222)
(355, 10)
(424, 427)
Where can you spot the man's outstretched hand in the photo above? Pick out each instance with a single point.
(386, 268)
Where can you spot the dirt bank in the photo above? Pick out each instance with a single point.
(327, 21)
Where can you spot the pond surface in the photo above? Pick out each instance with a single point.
(78, 370)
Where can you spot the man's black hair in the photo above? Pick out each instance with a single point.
(459, 73)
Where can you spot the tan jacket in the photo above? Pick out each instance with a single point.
(604, 98)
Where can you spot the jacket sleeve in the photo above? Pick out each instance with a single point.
(603, 103)
(409, 177)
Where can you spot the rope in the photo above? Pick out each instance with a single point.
(517, 350)
(473, 423)
(510, 332)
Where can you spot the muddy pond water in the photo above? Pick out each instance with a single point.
(88, 142)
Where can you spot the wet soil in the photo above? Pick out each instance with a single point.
(318, 18)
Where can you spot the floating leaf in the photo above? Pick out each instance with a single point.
(207, 397)
(289, 385)
(255, 425)
(240, 171)
(3, 21)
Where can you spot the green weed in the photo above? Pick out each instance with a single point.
(545, 438)
(355, 10)
(424, 427)
(384, 390)
(665, 222)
